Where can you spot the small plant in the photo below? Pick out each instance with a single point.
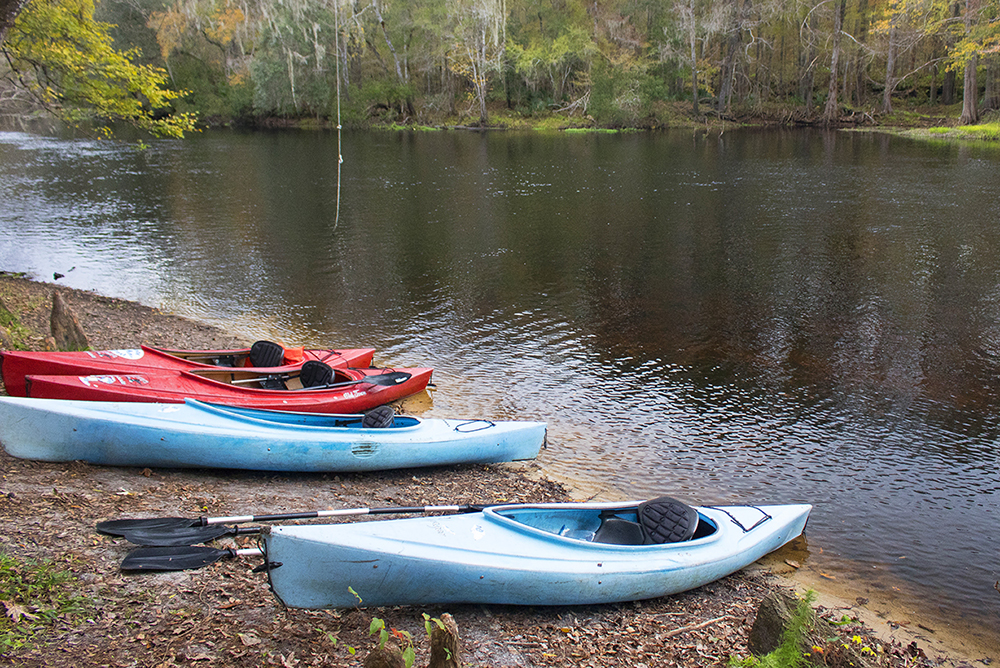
(404, 638)
(33, 597)
(789, 653)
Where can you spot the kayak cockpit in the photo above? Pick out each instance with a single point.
(380, 417)
(312, 375)
(655, 522)
(260, 354)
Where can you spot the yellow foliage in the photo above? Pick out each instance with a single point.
(79, 74)
(227, 21)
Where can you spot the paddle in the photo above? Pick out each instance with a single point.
(391, 378)
(159, 528)
(180, 558)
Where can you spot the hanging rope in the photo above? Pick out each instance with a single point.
(340, 156)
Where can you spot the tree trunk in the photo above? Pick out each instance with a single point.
(890, 65)
(727, 74)
(388, 42)
(970, 94)
(991, 98)
(808, 79)
(832, 108)
(932, 93)
(970, 87)
(861, 35)
(948, 87)
(692, 37)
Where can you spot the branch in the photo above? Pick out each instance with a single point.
(695, 627)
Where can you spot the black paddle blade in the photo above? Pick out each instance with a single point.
(182, 535)
(121, 527)
(179, 558)
(391, 378)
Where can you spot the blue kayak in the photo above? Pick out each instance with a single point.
(546, 554)
(203, 435)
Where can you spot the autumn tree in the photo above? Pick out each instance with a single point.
(65, 59)
(479, 33)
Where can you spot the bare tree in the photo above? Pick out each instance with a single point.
(830, 112)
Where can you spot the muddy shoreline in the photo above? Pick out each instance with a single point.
(224, 614)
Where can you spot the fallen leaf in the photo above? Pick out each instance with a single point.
(17, 612)
(793, 564)
(249, 639)
(827, 576)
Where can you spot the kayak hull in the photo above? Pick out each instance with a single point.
(15, 365)
(492, 557)
(195, 434)
(357, 390)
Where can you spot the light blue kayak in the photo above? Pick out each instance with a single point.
(547, 554)
(202, 435)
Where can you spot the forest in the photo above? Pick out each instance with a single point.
(596, 63)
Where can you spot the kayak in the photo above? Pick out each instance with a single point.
(202, 435)
(16, 364)
(345, 390)
(544, 554)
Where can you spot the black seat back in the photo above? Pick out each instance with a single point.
(315, 374)
(379, 418)
(667, 520)
(266, 354)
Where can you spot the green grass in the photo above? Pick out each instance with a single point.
(35, 596)
(988, 131)
(984, 132)
(19, 334)
(789, 653)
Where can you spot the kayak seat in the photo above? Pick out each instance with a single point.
(273, 382)
(379, 418)
(266, 353)
(225, 360)
(661, 520)
(315, 374)
(667, 520)
(618, 531)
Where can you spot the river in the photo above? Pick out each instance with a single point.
(752, 316)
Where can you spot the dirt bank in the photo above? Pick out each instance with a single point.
(224, 615)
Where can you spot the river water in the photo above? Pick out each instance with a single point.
(756, 316)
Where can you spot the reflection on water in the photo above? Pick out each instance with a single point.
(763, 316)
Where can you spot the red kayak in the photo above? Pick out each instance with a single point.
(316, 388)
(16, 364)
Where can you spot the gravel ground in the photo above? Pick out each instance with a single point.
(224, 615)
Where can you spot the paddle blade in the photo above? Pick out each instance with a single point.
(173, 558)
(391, 378)
(180, 535)
(121, 527)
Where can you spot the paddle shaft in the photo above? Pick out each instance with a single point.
(393, 378)
(341, 512)
(163, 525)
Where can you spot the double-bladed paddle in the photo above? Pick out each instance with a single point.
(173, 531)
(391, 378)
